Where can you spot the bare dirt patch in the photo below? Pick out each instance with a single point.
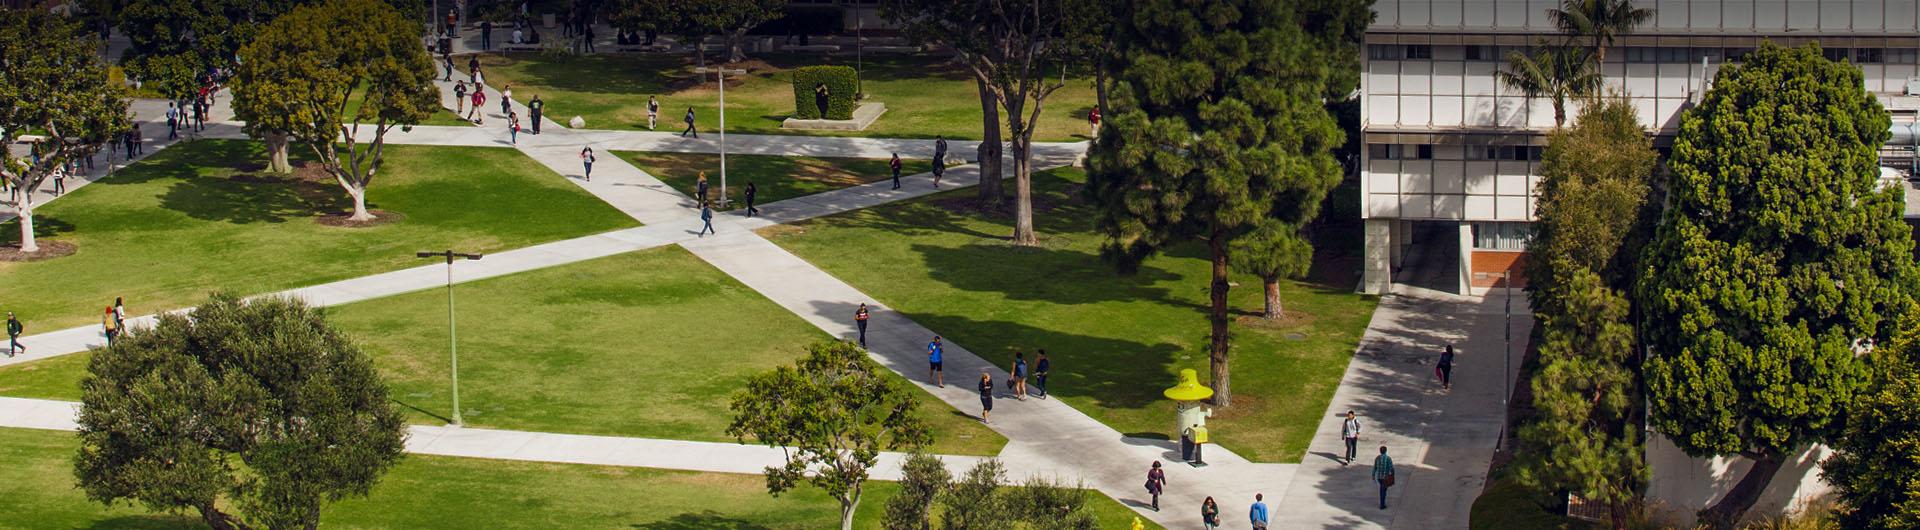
(48, 250)
(380, 218)
(1287, 320)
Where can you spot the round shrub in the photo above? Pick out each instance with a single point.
(840, 87)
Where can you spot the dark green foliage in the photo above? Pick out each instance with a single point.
(1047, 505)
(1272, 250)
(1582, 438)
(174, 42)
(1876, 466)
(252, 414)
(841, 82)
(923, 479)
(51, 79)
(695, 20)
(834, 411)
(976, 501)
(1779, 249)
(1593, 212)
(1218, 124)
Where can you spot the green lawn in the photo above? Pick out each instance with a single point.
(37, 491)
(649, 344)
(1116, 341)
(926, 95)
(778, 177)
(198, 217)
(442, 116)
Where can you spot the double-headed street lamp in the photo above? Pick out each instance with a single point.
(453, 344)
(721, 74)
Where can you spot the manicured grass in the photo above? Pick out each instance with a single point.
(1116, 341)
(37, 490)
(189, 220)
(926, 95)
(650, 344)
(441, 116)
(1510, 506)
(777, 177)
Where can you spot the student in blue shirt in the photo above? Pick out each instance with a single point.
(1259, 512)
(1019, 376)
(933, 363)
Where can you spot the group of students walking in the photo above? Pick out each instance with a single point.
(113, 322)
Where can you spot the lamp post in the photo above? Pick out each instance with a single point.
(721, 75)
(453, 344)
(1506, 352)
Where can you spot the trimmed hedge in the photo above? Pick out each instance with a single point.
(840, 87)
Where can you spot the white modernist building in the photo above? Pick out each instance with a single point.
(1452, 157)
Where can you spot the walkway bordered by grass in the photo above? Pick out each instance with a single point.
(1116, 341)
(776, 177)
(926, 94)
(201, 216)
(449, 492)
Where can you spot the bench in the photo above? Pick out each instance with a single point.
(815, 48)
(894, 49)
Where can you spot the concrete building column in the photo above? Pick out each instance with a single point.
(1466, 258)
(1402, 232)
(1379, 249)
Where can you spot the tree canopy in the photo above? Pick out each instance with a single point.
(1876, 462)
(833, 412)
(252, 414)
(306, 69)
(52, 79)
(1593, 212)
(1219, 123)
(1779, 248)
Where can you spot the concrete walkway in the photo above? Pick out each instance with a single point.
(1441, 441)
(151, 114)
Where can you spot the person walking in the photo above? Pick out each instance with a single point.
(700, 187)
(173, 122)
(752, 192)
(894, 164)
(119, 312)
(1093, 123)
(137, 140)
(1019, 376)
(1258, 513)
(653, 112)
(939, 159)
(112, 330)
(534, 108)
(586, 160)
(479, 102)
(1040, 368)
(934, 364)
(1156, 483)
(1383, 474)
(1209, 514)
(1444, 370)
(513, 128)
(1350, 432)
(446, 61)
(473, 67)
(689, 120)
(460, 98)
(706, 220)
(860, 321)
(590, 38)
(14, 329)
(986, 398)
(506, 99)
(486, 35)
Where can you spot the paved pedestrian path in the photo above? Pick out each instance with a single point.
(1441, 441)
(151, 114)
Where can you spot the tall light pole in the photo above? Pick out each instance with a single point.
(1506, 352)
(453, 343)
(721, 74)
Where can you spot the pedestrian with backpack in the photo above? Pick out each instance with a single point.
(894, 164)
(1383, 474)
(586, 159)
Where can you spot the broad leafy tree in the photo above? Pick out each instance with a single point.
(1779, 249)
(302, 75)
(1558, 74)
(1598, 22)
(51, 79)
(956, 25)
(175, 42)
(1593, 212)
(832, 413)
(978, 501)
(1876, 464)
(1272, 250)
(253, 414)
(1583, 439)
(694, 20)
(1219, 124)
(923, 478)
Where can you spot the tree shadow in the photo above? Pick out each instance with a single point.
(146, 522)
(43, 227)
(1059, 276)
(245, 199)
(707, 520)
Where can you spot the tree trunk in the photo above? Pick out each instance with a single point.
(277, 153)
(1727, 512)
(27, 243)
(700, 51)
(1100, 84)
(1559, 114)
(1273, 299)
(1618, 513)
(734, 52)
(1023, 196)
(1217, 351)
(360, 212)
(218, 520)
(991, 179)
(847, 507)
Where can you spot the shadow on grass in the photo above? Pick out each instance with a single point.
(146, 522)
(707, 520)
(428, 413)
(250, 199)
(43, 227)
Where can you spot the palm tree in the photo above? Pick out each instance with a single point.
(1599, 21)
(1553, 72)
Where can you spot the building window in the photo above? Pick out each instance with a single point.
(1735, 54)
(1640, 55)
(1382, 52)
(1867, 55)
(1501, 236)
(1834, 54)
(1419, 51)
(1400, 151)
(1906, 56)
(1670, 54)
(1482, 53)
(1528, 153)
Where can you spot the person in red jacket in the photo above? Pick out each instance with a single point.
(1093, 123)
